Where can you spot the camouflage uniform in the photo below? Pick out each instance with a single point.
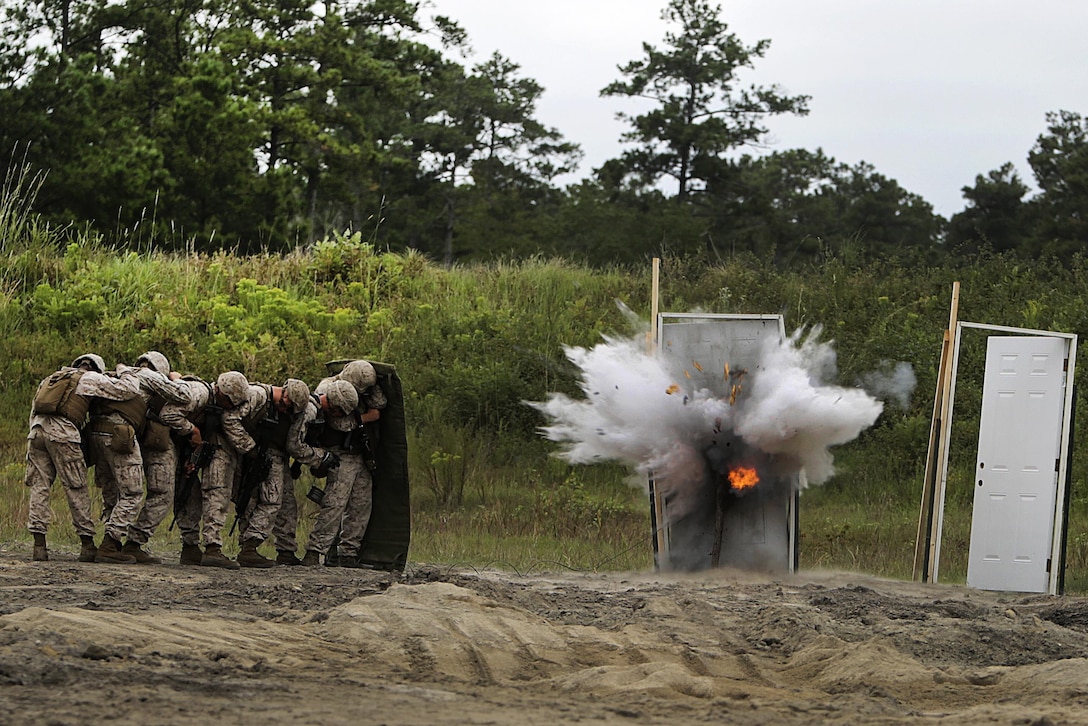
(54, 449)
(119, 465)
(285, 526)
(160, 455)
(209, 502)
(267, 425)
(156, 391)
(303, 452)
(349, 489)
(362, 376)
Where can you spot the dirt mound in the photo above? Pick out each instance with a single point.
(170, 644)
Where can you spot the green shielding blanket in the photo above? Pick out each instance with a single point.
(385, 544)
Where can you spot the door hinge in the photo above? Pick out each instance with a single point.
(1048, 565)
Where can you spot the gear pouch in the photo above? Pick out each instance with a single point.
(157, 437)
(122, 439)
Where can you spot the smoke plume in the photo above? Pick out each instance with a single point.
(639, 410)
(895, 383)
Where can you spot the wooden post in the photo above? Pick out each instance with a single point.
(657, 513)
(925, 541)
(940, 466)
(651, 335)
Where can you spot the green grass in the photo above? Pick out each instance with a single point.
(522, 527)
(473, 343)
(837, 534)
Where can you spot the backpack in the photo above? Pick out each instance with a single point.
(55, 392)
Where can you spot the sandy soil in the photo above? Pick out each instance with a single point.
(176, 645)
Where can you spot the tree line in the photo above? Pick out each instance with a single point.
(271, 124)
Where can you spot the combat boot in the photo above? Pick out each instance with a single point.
(214, 557)
(312, 558)
(190, 554)
(142, 557)
(41, 554)
(345, 561)
(109, 552)
(250, 557)
(286, 557)
(87, 549)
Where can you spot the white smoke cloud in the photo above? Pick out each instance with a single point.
(791, 412)
(894, 384)
(635, 412)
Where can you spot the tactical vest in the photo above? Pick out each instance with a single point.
(56, 396)
(157, 434)
(315, 429)
(210, 418)
(154, 407)
(330, 437)
(272, 428)
(134, 411)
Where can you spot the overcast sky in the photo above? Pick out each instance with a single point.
(932, 93)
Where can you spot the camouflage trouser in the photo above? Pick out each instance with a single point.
(210, 501)
(103, 479)
(285, 529)
(126, 474)
(160, 470)
(45, 461)
(188, 517)
(347, 505)
(265, 504)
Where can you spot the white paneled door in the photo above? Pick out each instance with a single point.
(1016, 474)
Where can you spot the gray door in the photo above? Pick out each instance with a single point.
(1016, 474)
(757, 531)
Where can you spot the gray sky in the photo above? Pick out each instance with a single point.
(930, 92)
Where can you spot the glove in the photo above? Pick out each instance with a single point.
(330, 460)
(296, 469)
(260, 465)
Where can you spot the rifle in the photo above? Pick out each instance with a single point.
(255, 471)
(197, 458)
(357, 441)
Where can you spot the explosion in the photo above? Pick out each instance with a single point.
(773, 421)
(743, 477)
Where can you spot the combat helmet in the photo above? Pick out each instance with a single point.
(359, 373)
(342, 395)
(298, 392)
(156, 360)
(95, 360)
(234, 386)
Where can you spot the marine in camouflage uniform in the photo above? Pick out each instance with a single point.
(54, 447)
(301, 445)
(272, 410)
(160, 455)
(349, 490)
(208, 503)
(115, 428)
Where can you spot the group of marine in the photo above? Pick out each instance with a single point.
(199, 446)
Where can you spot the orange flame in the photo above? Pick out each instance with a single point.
(743, 477)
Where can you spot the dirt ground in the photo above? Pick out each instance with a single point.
(166, 644)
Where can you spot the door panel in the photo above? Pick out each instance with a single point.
(1016, 471)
